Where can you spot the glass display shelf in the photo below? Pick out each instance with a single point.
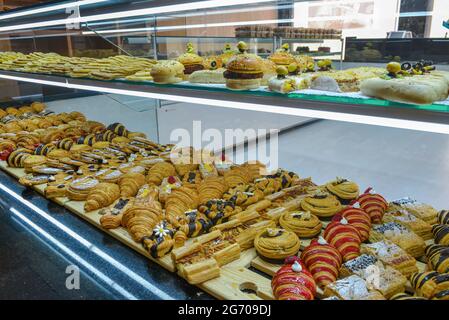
(309, 103)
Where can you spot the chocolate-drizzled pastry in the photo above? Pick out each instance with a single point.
(441, 234)
(118, 128)
(429, 283)
(219, 210)
(107, 135)
(87, 140)
(194, 223)
(44, 149)
(16, 158)
(438, 257)
(161, 240)
(405, 296)
(65, 143)
(276, 244)
(443, 217)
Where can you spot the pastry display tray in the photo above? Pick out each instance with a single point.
(351, 107)
(249, 277)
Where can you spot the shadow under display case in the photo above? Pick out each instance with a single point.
(187, 132)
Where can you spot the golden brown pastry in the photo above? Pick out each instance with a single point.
(211, 188)
(159, 171)
(130, 183)
(343, 189)
(322, 204)
(276, 244)
(236, 176)
(304, 224)
(104, 194)
(79, 189)
(179, 201)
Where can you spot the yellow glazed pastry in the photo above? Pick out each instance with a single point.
(322, 204)
(276, 244)
(344, 189)
(304, 224)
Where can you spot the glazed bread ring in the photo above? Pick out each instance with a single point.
(304, 224)
(276, 244)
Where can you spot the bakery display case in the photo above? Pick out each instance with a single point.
(100, 94)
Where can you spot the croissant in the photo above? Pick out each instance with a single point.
(344, 237)
(160, 171)
(130, 183)
(112, 217)
(373, 204)
(357, 218)
(104, 194)
(255, 169)
(180, 201)
(183, 169)
(140, 219)
(323, 261)
(236, 176)
(211, 187)
(438, 257)
(293, 282)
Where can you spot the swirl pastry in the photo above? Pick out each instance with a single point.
(211, 188)
(344, 237)
(159, 171)
(373, 204)
(17, 157)
(293, 282)
(343, 189)
(427, 284)
(443, 217)
(276, 244)
(357, 218)
(321, 203)
(441, 234)
(323, 261)
(304, 224)
(438, 258)
(79, 189)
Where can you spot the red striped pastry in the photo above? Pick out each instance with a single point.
(323, 261)
(293, 282)
(357, 218)
(344, 237)
(373, 204)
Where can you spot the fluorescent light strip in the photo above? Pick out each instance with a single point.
(74, 4)
(73, 255)
(161, 294)
(135, 13)
(190, 26)
(328, 115)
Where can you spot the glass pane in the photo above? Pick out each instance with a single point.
(416, 5)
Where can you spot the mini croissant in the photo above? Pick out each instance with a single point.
(104, 194)
(130, 183)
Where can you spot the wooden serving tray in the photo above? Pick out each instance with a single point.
(248, 278)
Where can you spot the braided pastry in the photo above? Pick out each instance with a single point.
(219, 210)
(161, 240)
(160, 171)
(293, 282)
(130, 183)
(321, 203)
(268, 185)
(304, 224)
(111, 217)
(357, 218)
(243, 195)
(323, 261)
(438, 258)
(344, 237)
(429, 283)
(373, 204)
(441, 234)
(211, 188)
(443, 217)
(276, 244)
(343, 189)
